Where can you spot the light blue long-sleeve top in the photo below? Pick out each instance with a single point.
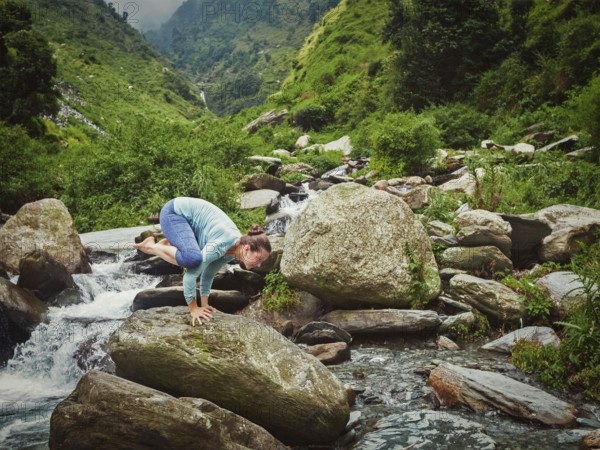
(215, 232)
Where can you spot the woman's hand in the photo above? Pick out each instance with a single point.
(200, 313)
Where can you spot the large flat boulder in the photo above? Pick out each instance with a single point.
(383, 320)
(42, 225)
(237, 363)
(482, 259)
(536, 335)
(564, 288)
(354, 245)
(258, 199)
(226, 301)
(496, 301)
(105, 411)
(481, 391)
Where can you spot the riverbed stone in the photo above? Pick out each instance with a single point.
(466, 183)
(105, 411)
(564, 288)
(375, 270)
(42, 225)
(569, 224)
(477, 235)
(226, 301)
(484, 259)
(154, 265)
(591, 441)
(446, 343)
(439, 228)
(496, 301)
(237, 363)
(319, 332)
(416, 197)
(383, 320)
(426, 429)
(274, 260)
(483, 218)
(258, 181)
(535, 335)
(20, 313)
(258, 199)
(481, 390)
(330, 353)
(466, 319)
(44, 276)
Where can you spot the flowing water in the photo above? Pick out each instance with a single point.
(46, 368)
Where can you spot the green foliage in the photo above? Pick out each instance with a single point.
(461, 126)
(419, 288)
(322, 161)
(404, 141)
(576, 363)
(442, 206)
(537, 304)
(477, 331)
(312, 117)
(585, 114)
(26, 69)
(277, 295)
(294, 177)
(28, 168)
(490, 181)
(120, 180)
(442, 47)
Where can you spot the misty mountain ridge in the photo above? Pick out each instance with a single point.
(238, 53)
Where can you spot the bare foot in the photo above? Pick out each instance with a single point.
(146, 245)
(163, 242)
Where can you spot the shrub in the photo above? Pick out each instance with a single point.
(322, 161)
(585, 114)
(461, 126)
(537, 304)
(312, 117)
(404, 140)
(277, 295)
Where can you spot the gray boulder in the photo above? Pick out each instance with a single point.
(274, 259)
(20, 313)
(416, 197)
(105, 411)
(564, 144)
(330, 353)
(225, 301)
(376, 268)
(452, 323)
(383, 320)
(43, 276)
(477, 235)
(42, 225)
(480, 390)
(484, 259)
(237, 363)
(564, 288)
(536, 335)
(299, 167)
(271, 118)
(483, 218)
(258, 199)
(569, 224)
(319, 332)
(259, 181)
(490, 297)
(439, 228)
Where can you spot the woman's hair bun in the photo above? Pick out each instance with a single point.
(255, 230)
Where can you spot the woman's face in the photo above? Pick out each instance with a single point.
(250, 259)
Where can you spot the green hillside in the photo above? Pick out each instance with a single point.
(108, 70)
(239, 53)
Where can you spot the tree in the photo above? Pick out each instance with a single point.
(443, 46)
(26, 69)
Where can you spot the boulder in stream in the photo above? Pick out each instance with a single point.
(237, 363)
(44, 276)
(383, 320)
(105, 411)
(536, 335)
(375, 269)
(481, 390)
(42, 225)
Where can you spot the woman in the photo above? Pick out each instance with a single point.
(202, 238)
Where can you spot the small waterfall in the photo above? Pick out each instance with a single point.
(46, 368)
(290, 206)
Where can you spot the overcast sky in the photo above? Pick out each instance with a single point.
(146, 14)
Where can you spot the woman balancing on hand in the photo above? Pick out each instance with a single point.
(202, 238)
